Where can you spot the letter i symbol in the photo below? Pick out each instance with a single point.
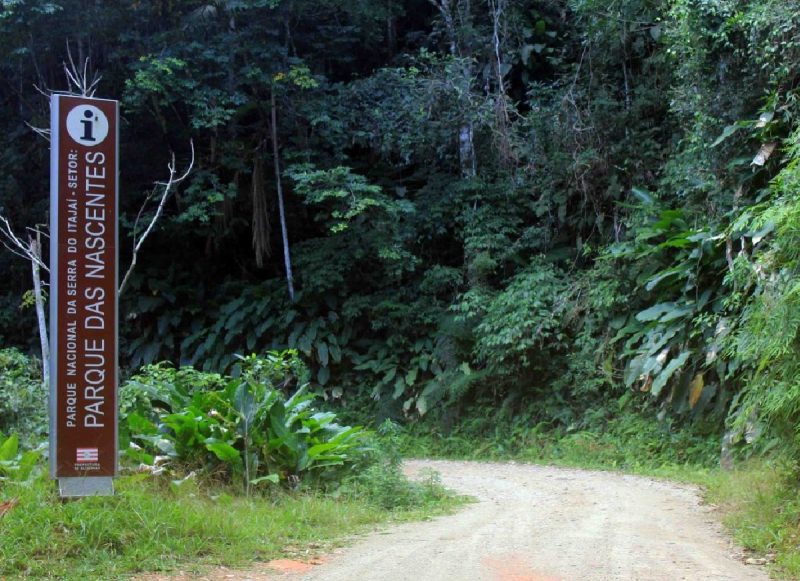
(88, 126)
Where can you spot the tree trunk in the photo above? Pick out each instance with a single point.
(287, 260)
(262, 229)
(466, 147)
(466, 151)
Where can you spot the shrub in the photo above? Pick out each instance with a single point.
(522, 326)
(381, 481)
(23, 397)
(237, 427)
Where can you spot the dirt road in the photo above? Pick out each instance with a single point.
(534, 523)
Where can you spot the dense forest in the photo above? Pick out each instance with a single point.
(556, 209)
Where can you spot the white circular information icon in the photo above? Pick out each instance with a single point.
(87, 125)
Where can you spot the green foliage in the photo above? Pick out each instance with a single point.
(618, 232)
(760, 506)
(347, 196)
(672, 347)
(382, 481)
(593, 316)
(15, 464)
(162, 383)
(23, 397)
(158, 82)
(766, 339)
(244, 427)
(616, 436)
(522, 327)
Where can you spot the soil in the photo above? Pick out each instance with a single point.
(537, 523)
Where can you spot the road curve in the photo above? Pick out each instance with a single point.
(537, 523)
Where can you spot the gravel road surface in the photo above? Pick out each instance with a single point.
(537, 523)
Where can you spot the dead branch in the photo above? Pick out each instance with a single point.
(16, 245)
(32, 252)
(39, 131)
(167, 186)
(78, 81)
(79, 78)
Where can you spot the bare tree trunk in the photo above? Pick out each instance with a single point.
(391, 36)
(466, 147)
(498, 7)
(287, 260)
(262, 228)
(501, 99)
(466, 150)
(36, 249)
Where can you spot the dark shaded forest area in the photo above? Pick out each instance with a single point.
(558, 209)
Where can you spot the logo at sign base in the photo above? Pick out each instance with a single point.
(87, 125)
(86, 455)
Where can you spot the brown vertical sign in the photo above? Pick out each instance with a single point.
(83, 294)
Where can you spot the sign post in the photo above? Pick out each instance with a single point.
(83, 294)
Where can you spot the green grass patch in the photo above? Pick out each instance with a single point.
(760, 502)
(628, 443)
(579, 450)
(150, 525)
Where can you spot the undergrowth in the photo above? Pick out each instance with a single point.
(152, 526)
(629, 442)
(158, 524)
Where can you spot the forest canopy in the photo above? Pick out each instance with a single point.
(556, 208)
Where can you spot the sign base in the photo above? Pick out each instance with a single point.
(86, 486)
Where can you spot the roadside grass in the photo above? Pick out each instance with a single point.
(153, 526)
(628, 443)
(759, 501)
